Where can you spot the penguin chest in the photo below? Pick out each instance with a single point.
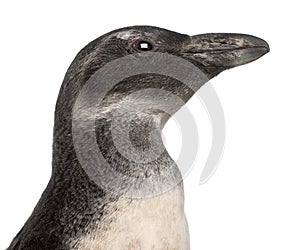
(153, 223)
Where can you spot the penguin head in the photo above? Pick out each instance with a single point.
(210, 53)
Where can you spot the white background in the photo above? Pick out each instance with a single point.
(252, 201)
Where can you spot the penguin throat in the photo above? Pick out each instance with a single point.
(134, 146)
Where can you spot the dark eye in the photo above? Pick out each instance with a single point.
(143, 45)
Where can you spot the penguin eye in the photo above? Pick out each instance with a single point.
(143, 45)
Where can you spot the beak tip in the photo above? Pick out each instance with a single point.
(260, 43)
(267, 48)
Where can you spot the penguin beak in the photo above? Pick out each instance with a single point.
(217, 52)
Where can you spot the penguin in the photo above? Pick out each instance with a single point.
(81, 212)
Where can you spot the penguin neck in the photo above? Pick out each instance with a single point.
(131, 144)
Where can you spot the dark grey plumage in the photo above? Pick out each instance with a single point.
(71, 203)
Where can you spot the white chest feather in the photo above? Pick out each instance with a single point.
(156, 223)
